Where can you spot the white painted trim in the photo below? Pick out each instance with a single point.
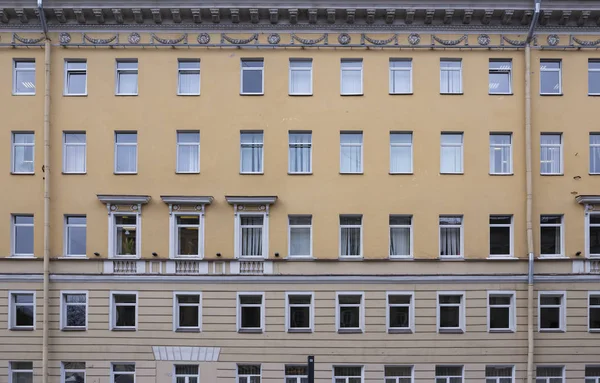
(510, 75)
(237, 234)
(123, 199)
(362, 372)
(462, 315)
(411, 312)
(562, 236)
(402, 145)
(361, 227)
(66, 76)
(13, 235)
(242, 69)
(304, 70)
(453, 145)
(462, 237)
(250, 200)
(361, 316)
(112, 232)
(182, 144)
(14, 72)
(176, 311)
(311, 328)
(590, 294)
(237, 376)
(189, 200)
(459, 70)
(411, 231)
(66, 226)
(12, 150)
(561, 152)
(362, 148)
(511, 245)
(547, 379)
(112, 309)
(289, 237)
(112, 372)
(447, 377)
(509, 146)
(11, 370)
(559, 70)
(174, 235)
(63, 371)
(179, 70)
(135, 145)
(310, 147)
(12, 313)
(63, 307)
(353, 60)
(412, 371)
(497, 379)
(512, 310)
(117, 73)
(64, 150)
(238, 316)
(563, 310)
(410, 71)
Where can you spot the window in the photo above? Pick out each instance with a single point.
(22, 310)
(448, 374)
(22, 232)
(398, 374)
(500, 235)
(501, 311)
(592, 374)
(74, 310)
(23, 152)
(552, 311)
(253, 76)
(251, 312)
(72, 372)
(594, 153)
(400, 312)
(127, 77)
(550, 77)
(188, 78)
(188, 234)
(297, 374)
(74, 152)
(300, 236)
(549, 375)
(187, 373)
(400, 236)
(350, 312)
(252, 235)
(401, 153)
(451, 76)
(188, 152)
(251, 157)
(500, 77)
(551, 241)
(593, 78)
(187, 311)
(500, 153)
(351, 152)
(301, 77)
(451, 312)
(123, 311)
(125, 152)
(126, 235)
(350, 236)
(347, 374)
(20, 372)
(248, 373)
(451, 155)
(300, 152)
(593, 235)
(551, 153)
(351, 77)
(499, 374)
(75, 78)
(75, 236)
(24, 77)
(451, 236)
(122, 373)
(400, 76)
(299, 312)
(594, 312)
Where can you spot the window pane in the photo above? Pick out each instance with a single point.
(76, 83)
(550, 240)
(250, 299)
(251, 317)
(499, 317)
(449, 317)
(594, 77)
(75, 158)
(22, 377)
(125, 298)
(24, 315)
(349, 317)
(550, 317)
(450, 299)
(500, 241)
(76, 244)
(126, 240)
(252, 81)
(126, 158)
(451, 160)
(550, 82)
(125, 316)
(126, 138)
(351, 159)
(25, 81)
(23, 161)
(300, 241)
(350, 220)
(189, 82)
(299, 317)
(499, 82)
(24, 138)
(300, 299)
(400, 81)
(401, 159)
(300, 220)
(188, 239)
(450, 241)
(127, 83)
(351, 241)
(351, 81)
(188, 316)
(300, 81)
(75, 315)
(186, 369)
(350, 299)
(398, 371)
(399, 317)
(400, 241)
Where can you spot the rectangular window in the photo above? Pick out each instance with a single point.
(550, 374)
(351, 77)
(501, 235)
(75, 236)
(400, 236)
(300, 236)
(400, 76)
(551, 153)
(499, 374)
(299, 312)
(451, 76)
(123, 311)
(75, 78)
(451, 236)
(398, 374)
(300, 153)
(22, 233)
(451, 312)
(20, 372)
(22, 310)
(593, 235)
(126, 238)
(300, 77)
(188, 77)
(594, 153)
(296, 374)
(187, 312)
(187, 373)
(501, 153)
(551, 241)
(252, 76)
(592, 374)
(594, 312)
(72, 372)
(188, 152)
(24, 77)
(401, 153)
(552, 311)
(501, 311)
(347, 374)
(252, 235)
(448, 374)
(248, 373)
(74, 307)
(500, 77)
(451, 153)
(400, 312)
(74, 152)
(127, 78)
(122, 373)
(351, 152)
(350, 312)
(350, 236)
(126, 152)
(251, 152)
(251, 312)
(23, 152)
(593, 77)
(188, 233)
(550, 77)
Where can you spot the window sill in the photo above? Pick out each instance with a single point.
(252, 94)
(28, 328)
(351, 94)
(187, 258)
(124, 258)
(299, 258)
(73, 257)
(452, 174)
(300, 94)
(350, 331)
(452, 94)
(185, 173)
(17, 256)
(591, 174)
(451, 258)
(351, 173)
(400, 258)
(594, 330)
(346, 258)
(552, 175)
(22, 174)
(252, 174)
(74, 95)
(502, 174)
(123, 329)
(23, 94)
(401, 94)
(401, 174)
(500, 94)
(501, 258)
(250, 330)
(75, 329)
(188, 94)
(125, 174)
(550, 257)
(501, 330)
(451, 331)
(191, 329)
(299, 330)
(550, 94)
(126, 94)
(300, 174)
(73, 173)
(400, 331)
(555, 330)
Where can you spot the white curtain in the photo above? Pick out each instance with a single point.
(23, 159)
(188, 158)
(189, 82)
(299, 153)
(450, 241)
(400, 81)
(450, 81)
(350, 241)
(128, 83)
(401, 159)
(595, 153)
(300, 241)
(451, 159)
(550, 159)
(400, 241)
(126, 158)
(252, 241)
(252, 152)
(74, 158)
(351, 159)
(300, 82)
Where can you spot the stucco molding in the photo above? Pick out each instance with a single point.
(588, 199)
(251, 200)
(123, 199)
(186, 200)
(186, 354)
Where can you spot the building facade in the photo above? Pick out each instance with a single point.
(213, 193)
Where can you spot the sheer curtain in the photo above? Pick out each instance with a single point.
(500, 154)
(450, 228)
(399, 241)
(450, 77)
(350, 235)
(74, 158)
(351, 153)
(189, 77)
(252, 152)
(300, 77)
(594, 153)
(299, 152)
(451, 158)
(550, 160)
(188, 156)
(252, 228)
(400, 152)
(126, 158)
(351, 77)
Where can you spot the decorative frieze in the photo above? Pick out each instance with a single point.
(118, 15)
(99, 15)
(312, 16)
(254, 18)
(467, 16)
(176, 15)
(408, 19)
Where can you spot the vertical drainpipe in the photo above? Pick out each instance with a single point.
(529, 199)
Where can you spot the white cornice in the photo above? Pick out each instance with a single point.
(588, 199)
(186, 200)
(251, 200)
(123, 199)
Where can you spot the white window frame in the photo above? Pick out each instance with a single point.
(511, 237)
(588, 225)
(448, 377)
(562, 307)
(65, 145)
(12, 370)
(238, 234)
(353, 144)
(180, 144)
(117, 144)
(559, 70)
(462, 236)
(547, 378)
(243, 69)
(361, 313)
(185, 376)
(496, 379)
(262, 145)
(176, 306)
(113, 311)
(397, 378)
(67, 225)
(179, 72)
(462, 312)
(592, 70)
(342, 70)
(334, 377)
(411, 311)
(113, 372)
(459, 70)
(174, 234)
(409, 227)
(130, 71)
(595, 377)
(15, 70)
(262, 328)
(361, 255)
(300, 69)
(401, 69)
(589, 307)
(13, 235)
(13, 151)
(288, 306)
(68, 72)
(297, 378)
(512, 313)
(510, 154)
(597, 146)
(290, 227)
(112, 234)
(12, 310)
(561, 226)
(560, 146)
(301, 145)
(502, 71)
(63, 309)
(403, 145)
(247, 376)
(453, 145)
(63, 371)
